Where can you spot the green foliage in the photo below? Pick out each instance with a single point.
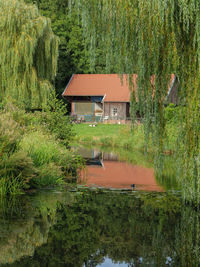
(13, 163)
(30, 157)
(28, 54)
(56, 120)
(19, 165)
(48, 175)
(172, 113)
(40, 147)
(9, 133)
(74, 47)
(73, 54)
(54, 163)
(10, 185)
(106, 141)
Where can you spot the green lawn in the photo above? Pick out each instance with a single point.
(101, 130)
(110, 135)
(120, 136)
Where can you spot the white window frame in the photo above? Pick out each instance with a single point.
(114, 112)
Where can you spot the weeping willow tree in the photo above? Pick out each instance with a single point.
(155, 39)
(28, 54)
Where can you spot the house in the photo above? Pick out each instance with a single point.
(100, 97)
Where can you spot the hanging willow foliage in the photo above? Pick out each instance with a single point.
(28, 54)
(155, 39)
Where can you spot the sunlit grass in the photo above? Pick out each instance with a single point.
(121, 136)
(101, 130)
(113, 135)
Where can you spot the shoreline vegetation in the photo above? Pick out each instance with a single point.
(34, 148)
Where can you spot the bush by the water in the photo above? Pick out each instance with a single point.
(32, 152)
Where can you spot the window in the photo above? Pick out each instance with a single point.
(82, 108)
(114, 112)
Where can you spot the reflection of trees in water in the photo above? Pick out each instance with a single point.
(165, 172)
(146, 229)
(24, 224)
(187, 247)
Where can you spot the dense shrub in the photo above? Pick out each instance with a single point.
(55, 119)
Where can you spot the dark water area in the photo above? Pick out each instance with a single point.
(98, 228)
(79, 226)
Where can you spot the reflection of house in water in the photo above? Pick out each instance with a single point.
(95, 157)
(105, 170)
(122, 175)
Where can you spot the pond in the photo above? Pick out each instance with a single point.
(80, 226)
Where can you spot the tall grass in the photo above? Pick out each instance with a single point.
(54, 162)
(31, 154)
(48, 175)
(41, 148)
(10, 185)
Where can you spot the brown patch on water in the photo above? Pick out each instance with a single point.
(115, 174)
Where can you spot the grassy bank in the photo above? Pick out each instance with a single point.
(121, 136)
(110, 135)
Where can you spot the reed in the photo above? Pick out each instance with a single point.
(10, 185)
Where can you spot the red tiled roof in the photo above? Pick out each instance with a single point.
(108, 85)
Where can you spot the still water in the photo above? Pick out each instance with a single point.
(107, 170)
(98, 227)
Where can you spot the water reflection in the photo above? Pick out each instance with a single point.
(109, 263)
(97, 228)
(104, 169)
(25, 222)
(84, 227)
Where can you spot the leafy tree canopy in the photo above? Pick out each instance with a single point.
(28, 54)
(74, 48)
